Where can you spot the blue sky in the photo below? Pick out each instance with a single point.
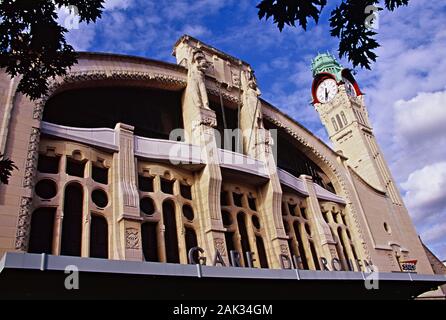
(405, 91)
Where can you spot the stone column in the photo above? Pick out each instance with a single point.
(327, 247)
(257, 144)
(127, 220)
(199, 124)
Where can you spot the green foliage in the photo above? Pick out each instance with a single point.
(348, 23)
(32, 43)
(290, 11)
(6, 168)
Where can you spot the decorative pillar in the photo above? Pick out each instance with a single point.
(257, 143)
(126, 214)
(199, 124)
(323, 232)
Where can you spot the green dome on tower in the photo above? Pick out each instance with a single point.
(326, 62)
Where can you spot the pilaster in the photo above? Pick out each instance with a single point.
(126, 198)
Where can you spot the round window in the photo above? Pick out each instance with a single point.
(46, 189)
(99, 198)
(147, 206)
(188, 212)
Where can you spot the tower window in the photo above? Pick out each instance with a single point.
(335, 125)
(339, 121)
(344, 118)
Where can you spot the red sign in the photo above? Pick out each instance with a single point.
(409, 266)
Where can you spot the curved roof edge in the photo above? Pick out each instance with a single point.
(170, 65)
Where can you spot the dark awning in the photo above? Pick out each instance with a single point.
(43, 276)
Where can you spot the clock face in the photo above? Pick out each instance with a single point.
(349, 88)
(327, 90)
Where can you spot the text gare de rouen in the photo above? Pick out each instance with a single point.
(195, 256)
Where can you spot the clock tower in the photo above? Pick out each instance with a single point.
(340, 104)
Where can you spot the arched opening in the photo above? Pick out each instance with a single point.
(191, 241)
(98, 237)
(261, 252)
(243, 235)
(170, 234)
(41, 235)
(153, 112)
(343, 244)
(150, 241)
(72, 220)
(315, 256)
(300, 246)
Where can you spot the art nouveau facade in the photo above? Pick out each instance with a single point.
(98, 176)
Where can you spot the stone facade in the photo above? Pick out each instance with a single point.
(141, 198)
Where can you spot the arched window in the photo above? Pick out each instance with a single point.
(299, 228)
(72, 220)
(339, 121)
(170, 224)
(41, 235)
(191, 241)
(149, 235)
(300, 245)
(335, 125)
(341, 232)
(98, 237)
(261, 252)
(243, 236)
(245, 233)
(344, 118)
(315, 256)
(170, 234)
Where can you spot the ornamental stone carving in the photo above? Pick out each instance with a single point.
(220, 246)
(251, 94)
(23, 224)
(196, 88)
(132, 238)
(31, 158)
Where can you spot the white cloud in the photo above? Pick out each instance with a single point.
(117, 4)
(437, 232)
(196, 30)
(426, 190)
(422, 116)
(81, 39)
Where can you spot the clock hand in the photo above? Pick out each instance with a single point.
(326, 94)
